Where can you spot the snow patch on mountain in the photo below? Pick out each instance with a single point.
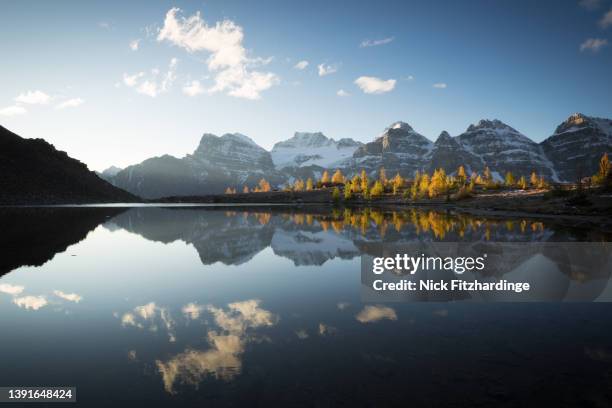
(312, 149)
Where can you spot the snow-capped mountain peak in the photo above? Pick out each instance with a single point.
(494, 124)
(312, 149)
(401, 125)
(578, 121)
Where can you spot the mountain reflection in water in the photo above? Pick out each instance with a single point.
(312, 238)
(225, 307)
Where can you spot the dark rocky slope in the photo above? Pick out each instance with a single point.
(32, 171)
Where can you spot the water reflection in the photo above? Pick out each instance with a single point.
(226, 343)
(32, 236)
(205, 307)
(372, 314)
(233, 238)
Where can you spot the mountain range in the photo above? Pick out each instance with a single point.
(234, 160)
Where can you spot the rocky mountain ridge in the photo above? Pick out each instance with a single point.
(32, 171)
(236, 160)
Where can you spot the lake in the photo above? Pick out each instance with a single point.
(230, 306)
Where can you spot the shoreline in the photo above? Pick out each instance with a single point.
(598, 216)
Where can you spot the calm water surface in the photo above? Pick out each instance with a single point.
(209, 307)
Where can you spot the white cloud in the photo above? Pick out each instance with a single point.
(134, 44)
(606, 20)
(33, 98)
(71, 297)
(13, 111)
(440, 85)
(152, 85)
(327, 69)
(11, 289)
(148, 88)
(193, 88)
(374, 43)
(342, 92)
(373, 85)
(242, 83)
(70, 103)
(228, 58)
(130, 80)
(371, 314)
(301, 65)
(409, 78)
(590, 4)
(593, 44)
(31, 302)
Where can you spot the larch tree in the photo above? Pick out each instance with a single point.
(325, 177)
(382, 176)
(461, 175)
(438, 184)
(604, 167)
(355, 184)
(378, 189)
(348, 190)
(309, 185)
(298, 185)
(337, 177)
(510, 179)
(365, 183)
(488, 177)
(424, 185)
(264, 186)
(534, 180)
(398, 183)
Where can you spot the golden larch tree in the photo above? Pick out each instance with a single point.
(338, 177)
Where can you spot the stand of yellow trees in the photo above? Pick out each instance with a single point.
(423, 186)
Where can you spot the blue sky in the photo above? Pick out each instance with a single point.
(72, 74)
